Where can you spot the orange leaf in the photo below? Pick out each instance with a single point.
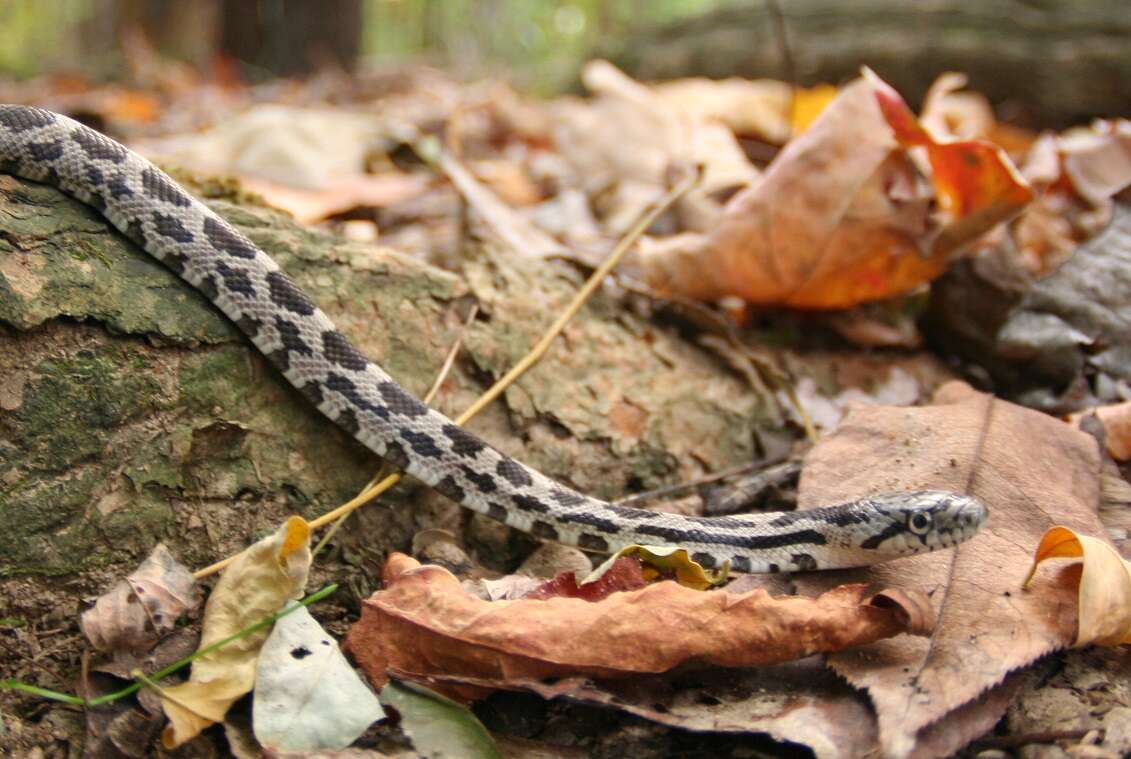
(1105, 585)
(977, 184)
(424, 623)
(842, 216)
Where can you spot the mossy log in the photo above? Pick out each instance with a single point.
(132, 412)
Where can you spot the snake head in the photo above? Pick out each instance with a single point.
(925, 520)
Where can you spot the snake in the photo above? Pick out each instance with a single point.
(297, 337)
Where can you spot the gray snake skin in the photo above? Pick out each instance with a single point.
(294, 334)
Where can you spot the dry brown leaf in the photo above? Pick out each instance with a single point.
(423, 622)
(1116, 421)
(1032, 471)
(258, 583)
(832, 222)
(1098, 159)
(309, 205)
(799, 702)
(624, 143)
(842, 216)
(752, 108)
(1105, 585)
(139, 610)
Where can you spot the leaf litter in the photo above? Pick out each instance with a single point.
(925, 696)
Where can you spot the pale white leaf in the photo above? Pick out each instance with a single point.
(307, 696)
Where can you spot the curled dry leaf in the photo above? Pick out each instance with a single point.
(423, 622)
(841, 216)
(1097, 160)
(256, 585)
(1105, 585)
(663, 561)
(139, 610)
(1032, 471)
(620, 574)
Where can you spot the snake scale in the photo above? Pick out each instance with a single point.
(298, 338)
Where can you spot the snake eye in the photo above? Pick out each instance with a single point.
(919, 522)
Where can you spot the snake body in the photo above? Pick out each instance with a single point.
(298, 338)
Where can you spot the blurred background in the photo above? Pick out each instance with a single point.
(1040, 62)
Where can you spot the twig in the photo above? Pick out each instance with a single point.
(681, 487)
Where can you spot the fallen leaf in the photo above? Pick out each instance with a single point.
(256, 585)
(139, 610)
(797, 702)
(758, 108)
(1071, 326)
(833, 221)
(622, 573)
(1105, 585)
(808, 103)
(841, 216)
(951, 113)
(307, 696)
(339, 195)
(436, 725)
(622, 182)
(663, 561)
(1097, 160)
(423, 622)
(296, 147)
(978, 186)
(1032, 471)
(1116, 421)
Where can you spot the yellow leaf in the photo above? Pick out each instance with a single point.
(257, 584)
(659, 560)
(1105, 585)
(808, 102)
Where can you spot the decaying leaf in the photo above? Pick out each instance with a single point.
(1105, 585)
(1116, 421)
(799, 702)
(978, 186)
(841, 216)
(1032, 471)
(658, 561)
(256, 585)
(755, 108)
(619, 574)
(1097, 160)
(438, 726)
(309, 205)
(661, 136)
(423, 622)
(139, 610)
(307, 696)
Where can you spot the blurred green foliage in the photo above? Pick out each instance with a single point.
(540, 43)
(35, 35)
